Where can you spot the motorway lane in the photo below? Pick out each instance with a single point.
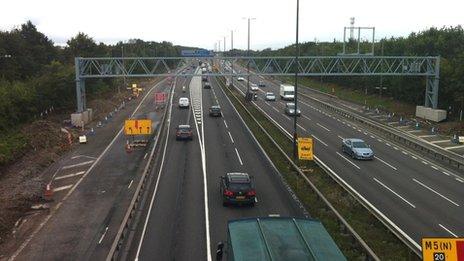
(428, 204)
(87, 221)
(175, 229)
(221, 157)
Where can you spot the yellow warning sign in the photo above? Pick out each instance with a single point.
(137, 127)
(134, 85)
(443, 249)
(305, 148)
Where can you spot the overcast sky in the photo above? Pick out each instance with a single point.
(204, 23)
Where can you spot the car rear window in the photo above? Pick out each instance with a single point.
(239, 186)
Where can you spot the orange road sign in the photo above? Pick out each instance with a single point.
(137, 127)
(443, 249)
(305, 148)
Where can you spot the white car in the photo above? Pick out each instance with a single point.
(240, 79)
(184, 102)
(254, 87)
(269, 96)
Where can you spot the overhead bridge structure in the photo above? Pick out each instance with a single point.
(340, 65)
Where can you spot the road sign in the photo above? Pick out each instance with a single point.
(160, 97)
(305, 148)
(443, 249)
(137, 127)
(197, 53)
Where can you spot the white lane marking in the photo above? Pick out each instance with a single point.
(425, 162)
(348, 160)
(404, 152)
(398, 195)
(434, 191)
(372, 136)
(325, 144)
(439, 141)
(433, 167)
(69, 175)
(230, 136)
(340, 137)
(388, 144)
(427, 136)
(144, 157)
(238, 155)
(225, 123)
(447, 230)
(78, 164)
(386, 163)
(396, 148)
(275, 109)
(256, 200)
(414, 157)
(301, 127)
(380, 140)
(446, 173)
(306, 117)
(103, 236)
(83, 156)
(454, 147)
(322, 127)
(62, 188)
(130, 184)
(460, 180)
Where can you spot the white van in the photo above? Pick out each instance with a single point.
(287, 92)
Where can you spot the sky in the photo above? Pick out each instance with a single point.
(205, 23)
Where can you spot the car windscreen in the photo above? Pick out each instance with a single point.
(291, 106)
(288, 92)
(239, 186)
(359, 144)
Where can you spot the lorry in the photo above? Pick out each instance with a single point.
(277, 239)
(287, 92)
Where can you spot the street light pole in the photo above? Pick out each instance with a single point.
(231, 50)
(297, 47)
(248, 95)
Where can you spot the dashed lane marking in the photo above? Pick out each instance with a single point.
(69, 175)
(63, 188)
(78, 164)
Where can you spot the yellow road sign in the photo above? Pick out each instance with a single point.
(137, 127)
(305, 148)
(443, 249)
(134, 85)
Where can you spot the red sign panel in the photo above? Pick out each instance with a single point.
(160, 97)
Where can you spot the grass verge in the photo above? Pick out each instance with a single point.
(385, 244)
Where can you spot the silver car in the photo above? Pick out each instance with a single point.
(357, 149)
(269, 96)
(290, 109)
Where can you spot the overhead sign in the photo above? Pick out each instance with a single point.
(197, 53)
(137, 127)
(443, 249)
(305, 148)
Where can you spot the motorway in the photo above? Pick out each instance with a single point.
(421, 198)
(184, 217)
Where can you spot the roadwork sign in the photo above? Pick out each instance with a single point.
(160, 98)
(443, 249)
(137, 127)
(305, 148)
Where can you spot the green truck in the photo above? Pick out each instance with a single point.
(278, 239)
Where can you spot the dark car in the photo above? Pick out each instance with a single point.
(215, 111)
(237, 188)
(207, 85)
(184, 132)
(261, 84)
(204, 78)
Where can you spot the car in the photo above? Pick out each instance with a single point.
(290, 109)
(215, 111)
(237, 188)
(184, 132)
(269, 96)
(261, 84)
(184, 102)
(357, 149)
(204, 79)
(254, 87)
(240, 79)
(207, 85)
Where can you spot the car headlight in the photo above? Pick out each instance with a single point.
(291, 111)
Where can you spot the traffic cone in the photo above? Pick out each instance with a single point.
(128, 148)
(48, 194)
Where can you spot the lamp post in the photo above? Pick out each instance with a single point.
(232, 63)
(248, 95)
(297, 53)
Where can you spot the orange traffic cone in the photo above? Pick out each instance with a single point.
(48, 194)
(128, 148)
